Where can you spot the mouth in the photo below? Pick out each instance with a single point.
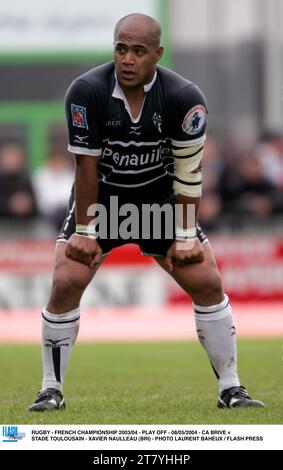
(128, 74)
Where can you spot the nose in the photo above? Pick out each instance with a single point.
(128, 58)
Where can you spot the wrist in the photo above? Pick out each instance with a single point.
(185, 234)
(86, 231)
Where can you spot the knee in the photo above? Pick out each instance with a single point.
(214, 283)
(64, 285)
(210, 290)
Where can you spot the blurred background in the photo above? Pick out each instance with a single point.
(233, 49)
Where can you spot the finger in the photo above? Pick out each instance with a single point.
(68, 251)
(169, 263)
(195, 259)
(95, 260)
(182, 262)
(71, 254)
(86, 259)
(82, 260)
(75, 255)
(199, 257)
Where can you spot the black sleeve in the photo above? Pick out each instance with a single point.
(82, 122)
(189, 115)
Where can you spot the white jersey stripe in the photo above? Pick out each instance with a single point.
(133, 172)
(188, 143)
(69, 216)
(84, 151)
(134, 185)
(133, 142)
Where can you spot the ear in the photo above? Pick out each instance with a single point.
(159, 53)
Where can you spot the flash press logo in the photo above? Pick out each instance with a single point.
(11, 434)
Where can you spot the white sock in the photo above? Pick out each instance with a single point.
(217, 334)
(59, 332)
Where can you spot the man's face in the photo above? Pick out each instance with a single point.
(135, 59)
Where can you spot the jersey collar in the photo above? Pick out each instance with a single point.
(118, 92)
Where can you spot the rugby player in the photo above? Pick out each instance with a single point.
(137, 131)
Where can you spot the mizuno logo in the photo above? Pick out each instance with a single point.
(81, 138)
(135, 130)
(54, 344)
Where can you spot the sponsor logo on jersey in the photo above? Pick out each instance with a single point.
(132, 159)
(157, 121)
(194, 120)
(79, 116)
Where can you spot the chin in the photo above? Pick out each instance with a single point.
(129, 83)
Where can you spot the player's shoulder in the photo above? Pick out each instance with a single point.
(177, 87)
(101, 75)
(172, 80)
(98, 80)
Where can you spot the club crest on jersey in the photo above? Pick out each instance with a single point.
(194, 120)
(79, 116)
(157, 121)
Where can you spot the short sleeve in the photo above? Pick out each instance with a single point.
(83, 128)
(189, 116)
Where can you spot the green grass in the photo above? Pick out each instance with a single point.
(142, 383)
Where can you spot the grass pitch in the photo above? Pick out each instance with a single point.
(142, 383)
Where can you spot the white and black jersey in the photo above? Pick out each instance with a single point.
(136, 161)
(135, 153)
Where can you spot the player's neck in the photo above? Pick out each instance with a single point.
(135, 94)
(135, 98)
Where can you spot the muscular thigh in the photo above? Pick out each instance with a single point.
(201, 281)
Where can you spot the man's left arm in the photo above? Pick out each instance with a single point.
(187, 149)
(187, 247)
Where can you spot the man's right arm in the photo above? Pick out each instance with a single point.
(83, 247)
(86, 186)
(83, 117)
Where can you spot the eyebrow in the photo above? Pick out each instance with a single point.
(121, 43)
